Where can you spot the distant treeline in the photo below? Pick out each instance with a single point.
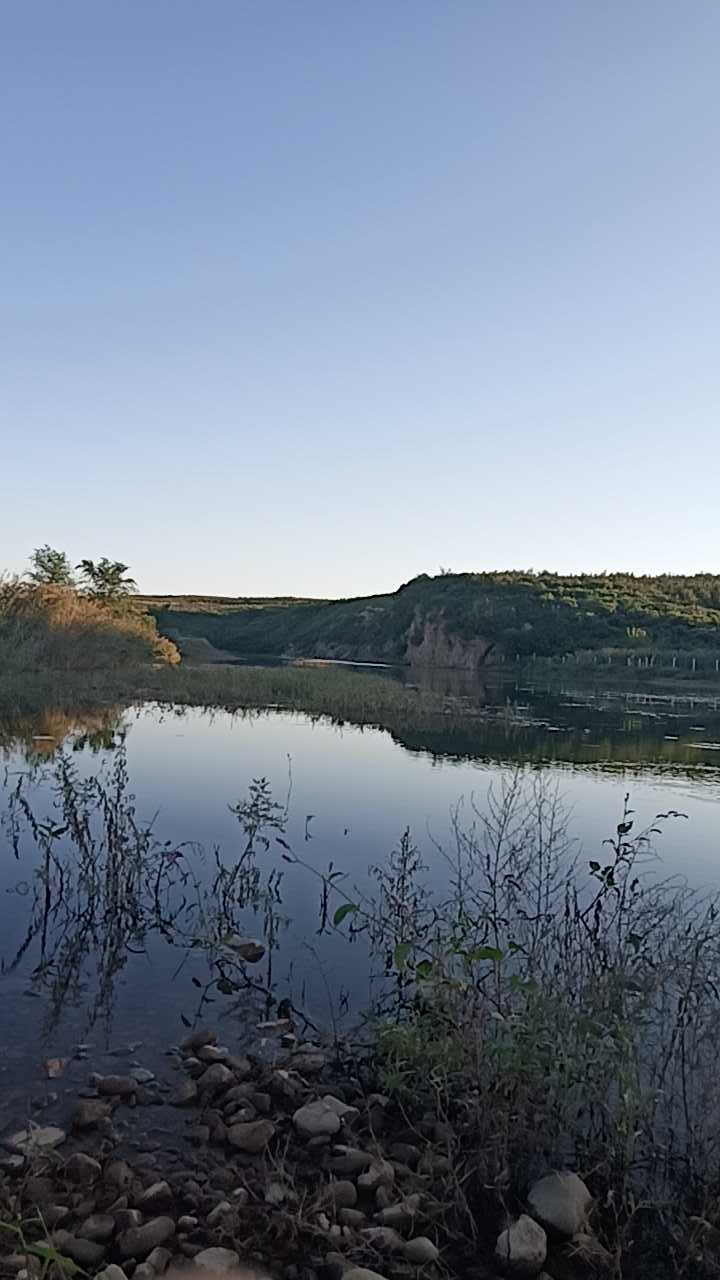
(522, 614)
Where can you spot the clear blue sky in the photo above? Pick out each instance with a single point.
(310, 296)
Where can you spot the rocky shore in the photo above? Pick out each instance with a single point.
(296, 1167)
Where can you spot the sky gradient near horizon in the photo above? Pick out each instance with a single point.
(310, 297)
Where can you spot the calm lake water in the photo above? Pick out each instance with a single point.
(363, 787)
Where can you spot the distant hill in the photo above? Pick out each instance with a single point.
(462, 620)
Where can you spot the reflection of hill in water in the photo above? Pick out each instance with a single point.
(463, 719)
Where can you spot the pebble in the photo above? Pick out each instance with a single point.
(89, 1113)
(143, 1271)
(350, 1160)
(351, 1218)
(138, 1242)
(343, 1195)
(118, 1175)
(421, 1251)
(198, 1039)
(156, 1199)
(384, 1239)
(251, 1137)
(380, 1174)
(142, 1075)
(82, 1168)
(212, 1053)
(317, 1119)
(120, 1086)
(127, 1218)
(99, 1226)
(217, 1214)
(187, 1223)
(86, 1253)
(216, 1077)
(184, 1095)
(217, 1259)
(521, 1248)
(159, 1260)
(111, 1272)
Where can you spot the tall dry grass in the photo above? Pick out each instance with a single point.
(56, 628)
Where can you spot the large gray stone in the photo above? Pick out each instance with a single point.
(560, 1202)
(521, 1248)
(420, 1251)
(317, 1119)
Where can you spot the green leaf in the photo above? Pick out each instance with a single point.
(484, 953)
(424, 970)
(402, 951)
(346, 909)
(227, 987)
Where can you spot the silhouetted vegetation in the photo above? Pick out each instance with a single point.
(522, 614)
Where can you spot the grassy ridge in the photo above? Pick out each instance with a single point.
(521, 614)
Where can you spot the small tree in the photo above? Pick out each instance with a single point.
(50, 568)
(106, 579)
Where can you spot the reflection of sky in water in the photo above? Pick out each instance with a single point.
(363, 790)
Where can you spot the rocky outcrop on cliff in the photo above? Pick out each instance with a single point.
(430, 644)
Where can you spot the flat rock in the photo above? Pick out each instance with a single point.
(138, 1242)
(252, 1137)
(521, 1248)
(560, 1202)
(37, 1137)
(217, 1259)
(317, 1119)
(142, 1075)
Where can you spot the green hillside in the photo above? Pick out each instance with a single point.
(464, 618)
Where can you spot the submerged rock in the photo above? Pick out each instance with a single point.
(118, 1086)
(197, 1039)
